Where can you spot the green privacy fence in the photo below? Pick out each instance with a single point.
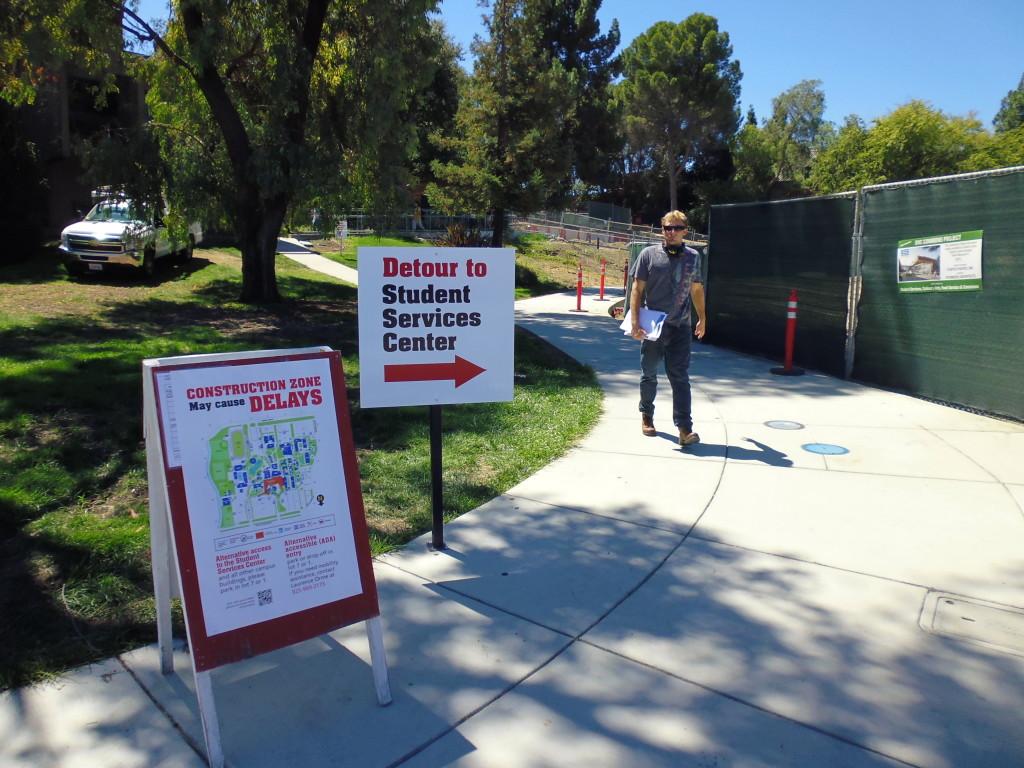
(964, 346)
(758, 253)
(917, 285)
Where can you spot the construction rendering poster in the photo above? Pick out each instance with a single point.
(940, 263)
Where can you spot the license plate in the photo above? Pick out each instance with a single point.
(96, 267)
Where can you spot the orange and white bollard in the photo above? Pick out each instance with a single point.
(790, 328)
(579, 290)
(604, 268)
(787, 368)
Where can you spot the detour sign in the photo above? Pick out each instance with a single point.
(436, 325)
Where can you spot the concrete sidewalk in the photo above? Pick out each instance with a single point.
(744, 603)
(309, 258)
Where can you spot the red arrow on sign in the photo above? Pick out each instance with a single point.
(461, 371)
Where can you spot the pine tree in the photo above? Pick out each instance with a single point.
(509, 151)
(680, 88)
(570, 36)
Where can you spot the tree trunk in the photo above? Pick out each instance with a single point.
(260, 229)
(673, 184)
(259, 222)
(498, 235)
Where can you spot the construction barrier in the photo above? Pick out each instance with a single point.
(917, 285)
(958, 345)
(760, 252)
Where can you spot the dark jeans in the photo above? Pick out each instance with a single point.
(674, 346)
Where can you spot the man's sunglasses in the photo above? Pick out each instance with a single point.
(671, 228)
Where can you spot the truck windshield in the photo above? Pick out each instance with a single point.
(120, 210)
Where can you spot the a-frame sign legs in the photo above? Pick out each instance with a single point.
(208, 715)
(375, 636)
(159, 530)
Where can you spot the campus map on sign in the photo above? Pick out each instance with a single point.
(264, 471)
(259, 450)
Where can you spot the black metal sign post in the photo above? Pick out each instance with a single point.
(437, 489)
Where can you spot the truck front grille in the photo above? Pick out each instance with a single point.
(84, 244)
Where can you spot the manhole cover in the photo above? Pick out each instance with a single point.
(825, 449)
(784, 424)
(990, 624)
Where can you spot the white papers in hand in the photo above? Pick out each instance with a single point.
(650, 320)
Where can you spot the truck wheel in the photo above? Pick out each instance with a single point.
(149, 263)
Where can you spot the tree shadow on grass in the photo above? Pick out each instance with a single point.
(64, 605)
(70, 425)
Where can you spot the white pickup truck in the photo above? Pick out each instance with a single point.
(116, 233)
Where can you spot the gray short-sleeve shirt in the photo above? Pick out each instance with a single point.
(668, 281)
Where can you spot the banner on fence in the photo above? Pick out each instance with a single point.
(940, 263)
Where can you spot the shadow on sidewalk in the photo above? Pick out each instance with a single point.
(765, 453)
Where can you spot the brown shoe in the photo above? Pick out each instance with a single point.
(688, 438)
(647, 425)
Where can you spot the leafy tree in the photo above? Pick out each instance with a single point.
(508, 149)
(1001, 150)
(680, 88)
(374, 109)
(913, 141)
(635, 174)
(797, 130)
(705, 182)
(38, 36)
(127, 158)
(1011, 110)
(570, 35)
(23, 197)
(435, 106)
(257, 101)
(754, 162)
(846, 164)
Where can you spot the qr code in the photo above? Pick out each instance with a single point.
(265, 596)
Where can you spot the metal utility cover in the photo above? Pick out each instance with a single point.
(1000, 627)
(825, 449)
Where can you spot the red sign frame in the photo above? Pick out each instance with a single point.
(210, 652)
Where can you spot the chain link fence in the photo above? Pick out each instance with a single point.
(579, 227)
(428, 224)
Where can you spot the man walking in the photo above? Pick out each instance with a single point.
(667, 278)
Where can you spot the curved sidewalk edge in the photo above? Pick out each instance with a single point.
(315, 261)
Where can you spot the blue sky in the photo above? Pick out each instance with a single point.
(871, 55)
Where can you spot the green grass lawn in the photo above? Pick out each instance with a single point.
(74, 530)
